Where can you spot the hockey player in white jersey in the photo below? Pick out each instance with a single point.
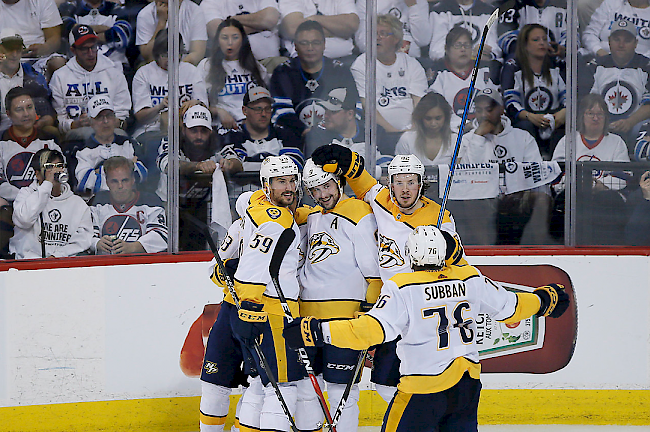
(339, 278)
(398, 209)
(434, 309)
(125, 220)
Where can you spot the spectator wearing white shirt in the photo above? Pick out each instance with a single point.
(339, 19)
(39, 23)
(102, 145)
(230, 71)
(150, 87)
(414, 15)
(260, 20)
(153, 18)
(85, 75)
(401, 80)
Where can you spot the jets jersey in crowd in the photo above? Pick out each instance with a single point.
(340, 259)
(541, 98)
(66, 221)
(280, 141)
(552, 15)
(92, 157)
(297, 93)
(609, 148)
(454, 87)
(436, 313)
(415, 23)
(395, 84)
(150, 87)
(624, 88)
(448, 14)
(112, 15)
(335, 47)
(264, 43)
(263, 225)
(510, 147)
(394, 226)
(596, 36)
(142, 220)
(72, 86)
(16, 155)
(238, 81)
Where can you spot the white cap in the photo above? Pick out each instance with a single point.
(338, 99)
(198, 115)
(491, 93)
(98, 104)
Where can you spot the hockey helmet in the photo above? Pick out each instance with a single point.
(277, 166)
(405, 164)
(426, 246)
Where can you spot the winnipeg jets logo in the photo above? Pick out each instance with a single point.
(321, 246)
(311, 112)
(620, 98)
(389, 255)
(539, 99)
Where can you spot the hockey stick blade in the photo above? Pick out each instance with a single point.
(493, 18)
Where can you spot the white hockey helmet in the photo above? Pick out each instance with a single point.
(277, 166)
(426, 246)
(405, 164)
(313, 175)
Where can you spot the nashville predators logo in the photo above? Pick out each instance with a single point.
(210, 367)
(389, 255)
(321, 246)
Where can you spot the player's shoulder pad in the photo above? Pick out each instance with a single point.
(352, 209)
(264, 212)
(303, 212)
(453, 272)
(103, 197)
(149, 199)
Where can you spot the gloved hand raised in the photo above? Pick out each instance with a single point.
(554, 300)
(339, 160)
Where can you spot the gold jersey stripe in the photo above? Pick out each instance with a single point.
(212, 420)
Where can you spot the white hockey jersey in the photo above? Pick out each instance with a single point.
(340, 259)
(394, 226)
(150, 86)
(596, 36)
(415, 23)
(72, 86)
(542, 97)
(609, 148)
(66, 219)
(142, 220)
(435, 314)
(16, 160)
(263, 225)
(396, 84)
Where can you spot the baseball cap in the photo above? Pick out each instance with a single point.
(623, 25)
(198, 115)
(80, 33)
(98, 104)
(338, 99)
(490, 93)
(9, 35)
(256, 93)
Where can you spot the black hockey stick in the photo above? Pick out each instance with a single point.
(452, 166)
(231, 288)
(281, 247)
(348, 388)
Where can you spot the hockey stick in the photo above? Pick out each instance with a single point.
(452, 166)
(281, 247)
(231, 288)
(348, 388)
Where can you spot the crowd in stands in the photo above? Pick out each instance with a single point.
(84, 91)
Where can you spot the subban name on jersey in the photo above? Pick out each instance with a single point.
(437, 292)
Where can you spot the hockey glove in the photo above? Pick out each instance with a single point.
(303, 332)
(554, 300)
(339, 160)
(250, 322)
(218, 277)
(454, 251)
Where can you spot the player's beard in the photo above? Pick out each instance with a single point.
(283, 199)
(329, 205)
